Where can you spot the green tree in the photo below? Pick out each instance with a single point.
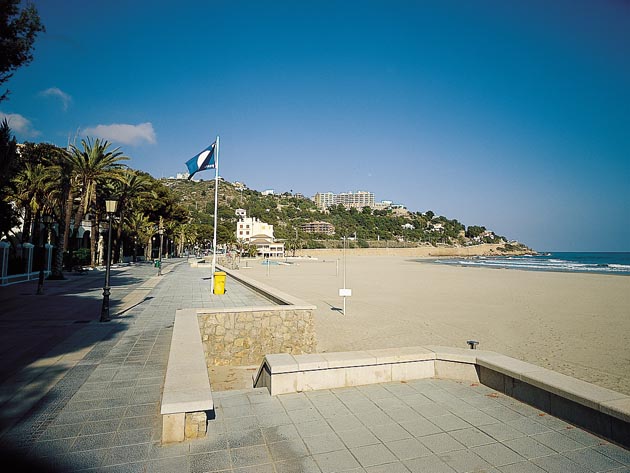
(18, 30)
(92, 165)
(8, 169)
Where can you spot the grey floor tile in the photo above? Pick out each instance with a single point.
(357, 437)
(248, 456)
(390, 432)
(395, 467)
(279, 433)
(616, 453)
(309, 429)
(501, 431)
(471, 437)
(528, 447)
(408, 449)
(93, 442)
(127, 454)
(420, 428)
(288, 450)
(529, 426)
(592, 460)
(339, 461)
(212, 442)
(497, 454)
(441, 443)
(348, 422)
(465, 461)
(557, 441)
(522, 467)
(324, 443)
(372, 455)
(302, 465)
(558, 464)
(430, 463)
(450, 422)
(244, 438)
(213, 461)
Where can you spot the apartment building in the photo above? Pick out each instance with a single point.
(318, 227)
(358, 199)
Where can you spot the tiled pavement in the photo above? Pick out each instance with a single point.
(103, 415)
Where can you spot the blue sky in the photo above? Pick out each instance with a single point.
(512, 115)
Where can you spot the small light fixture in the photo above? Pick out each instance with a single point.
(111, 206)
(472, 344)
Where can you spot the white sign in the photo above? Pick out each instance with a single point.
(345, 292)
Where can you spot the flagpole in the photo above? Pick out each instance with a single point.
(216, 199)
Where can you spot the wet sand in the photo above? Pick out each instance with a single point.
(576, 324)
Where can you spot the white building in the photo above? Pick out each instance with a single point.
(268, 192)
(358, 199)
(247, 227)
(259, 234)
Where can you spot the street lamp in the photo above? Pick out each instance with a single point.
(47, 219)
(110, 208)
(161, 232)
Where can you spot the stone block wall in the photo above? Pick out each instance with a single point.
(244, 337)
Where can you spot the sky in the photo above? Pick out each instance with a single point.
(511, 115)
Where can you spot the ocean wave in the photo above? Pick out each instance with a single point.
(540, 264)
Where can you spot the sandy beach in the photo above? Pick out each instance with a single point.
(576, 324)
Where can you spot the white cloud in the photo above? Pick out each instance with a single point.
(56, 92)
(123, 133)
(20, 125)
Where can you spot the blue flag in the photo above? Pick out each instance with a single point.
(201, 162)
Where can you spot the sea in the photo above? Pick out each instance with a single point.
(604, 263)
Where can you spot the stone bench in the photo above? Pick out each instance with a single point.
(186, 397)
(599, 410)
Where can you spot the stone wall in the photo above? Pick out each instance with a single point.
(244, 337)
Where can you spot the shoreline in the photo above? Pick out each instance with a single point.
(572, 323)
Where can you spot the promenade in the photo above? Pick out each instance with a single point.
(79, 395)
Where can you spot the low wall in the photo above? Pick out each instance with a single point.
(243, 336)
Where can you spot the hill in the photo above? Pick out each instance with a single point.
(363, 227)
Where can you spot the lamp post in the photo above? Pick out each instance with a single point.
(47, 219)
(161, 232)
(110, 208)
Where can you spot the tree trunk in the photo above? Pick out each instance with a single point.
(26, 226)
(94, 236)
(118, 239)
(67, 219)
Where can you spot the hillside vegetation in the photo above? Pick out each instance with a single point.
(287, 212)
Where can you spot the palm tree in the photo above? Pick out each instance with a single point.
(93, 165)
(141, 228)
(133, 187)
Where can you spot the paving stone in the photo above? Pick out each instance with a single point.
(441, 443)
(450, 422)
(302, 465)
(419, 428)
(408, 448)
(592, 460)
(558, 464)
(522, 467)
(557, 441)
(213, 461)
(248, 456)
(390, 432)
(338, 461)
(471, 437)
(431, 463)
(528, 447)
(324, 443)
(497, 454)
(371, 455)
(357, 437)
(464, 461)
(288, 450)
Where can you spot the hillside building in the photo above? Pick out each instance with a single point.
(358, 199)
(259, 234)
(318, 227)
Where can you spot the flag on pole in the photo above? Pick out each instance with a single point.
(201, 162)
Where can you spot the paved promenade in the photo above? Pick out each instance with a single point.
(79, 395)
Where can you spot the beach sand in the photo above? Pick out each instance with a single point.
(576, 324)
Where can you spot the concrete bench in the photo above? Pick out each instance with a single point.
(187, 396)
(599, 410)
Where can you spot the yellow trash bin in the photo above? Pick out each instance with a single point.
(219, 282)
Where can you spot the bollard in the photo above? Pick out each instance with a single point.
(473, 344)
